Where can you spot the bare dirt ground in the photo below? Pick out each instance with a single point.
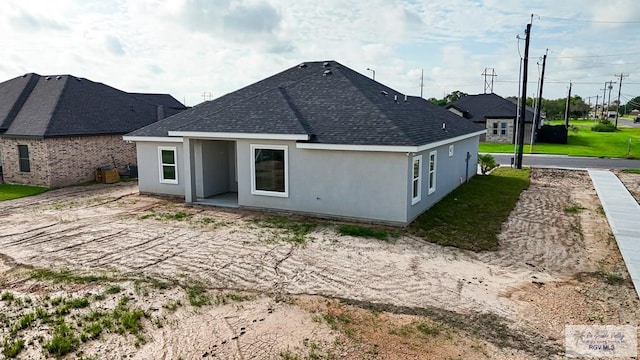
(333, 296)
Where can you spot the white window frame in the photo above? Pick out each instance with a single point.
(451, 150)
(415, 198)
(161, 164)
(433, 157)
(255, 191)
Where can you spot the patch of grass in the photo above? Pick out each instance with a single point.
(7, 297)
(131, 321)
(471, 216)
(296, 230)
(63, 341)
(365, 231)
(198, 296)
(112, 290)
(176, 216)
(91, 331)
(12, 191)
(612, 279)
(26, 320)
(426, 329)
(631, 171)
(227, 298)
(582, 143)
(172, 305)
(11, 349)
(574, 209)
(65, 276)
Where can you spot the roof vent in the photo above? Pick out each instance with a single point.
(48, 78)
(302, 65)
(326, 72)
(78, 79)
(326, 64)
(58, 77)
(25, 75)
(406, 98)
(444, 126)
(395, 98)
(384, 93)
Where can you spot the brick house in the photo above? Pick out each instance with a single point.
(496, 114)
(56, 130)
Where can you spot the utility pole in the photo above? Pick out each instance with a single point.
(595, 110)
(567, 108)
(523, 102)
(488, 84)
(619, 90)
(604, 96)
(609, 102)
(421, 82)
(589, 104)
(536, 120)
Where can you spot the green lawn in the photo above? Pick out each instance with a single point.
(8, 191)
(472, 215)
(583, 142)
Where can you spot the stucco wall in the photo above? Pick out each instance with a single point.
(371, 185)
(451, 172)
(149, 169)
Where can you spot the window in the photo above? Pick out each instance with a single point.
(451, 150)
(432, 171)
(416, 183)
(23, 158)
(269, 170)
(495, 128)
(503, 128)
(168, 165)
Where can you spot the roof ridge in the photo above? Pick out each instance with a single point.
(375, 105)
(242, 100)
(303, 122)
(20, 101)
(57, 106)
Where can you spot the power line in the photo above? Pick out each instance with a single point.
(593, 56)
(543, 18)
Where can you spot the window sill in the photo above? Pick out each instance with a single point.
(270, 193)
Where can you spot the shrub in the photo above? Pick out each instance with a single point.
(487, 162)
(604, 126)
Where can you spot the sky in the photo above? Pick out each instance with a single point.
(203, 49)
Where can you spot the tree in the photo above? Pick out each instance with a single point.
(456, 95)
(633, 104)
(439, 102)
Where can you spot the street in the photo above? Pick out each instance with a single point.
(568, 162)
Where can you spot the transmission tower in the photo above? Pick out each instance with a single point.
(488, 79)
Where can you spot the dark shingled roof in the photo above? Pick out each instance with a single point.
(478, 108)
(325, 100)
(52, 106)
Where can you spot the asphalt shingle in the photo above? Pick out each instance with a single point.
(478, 108)
(326, 100)
(64, 105)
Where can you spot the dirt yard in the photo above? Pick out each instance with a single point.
(268, 294)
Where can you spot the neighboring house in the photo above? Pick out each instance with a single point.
(495, 113)
(56, 130)
(318, 138)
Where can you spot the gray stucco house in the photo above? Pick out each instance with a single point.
(495, 113)
(318, 138)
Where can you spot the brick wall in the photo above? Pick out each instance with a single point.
(39, 174)
(57, 162)
(508, 138)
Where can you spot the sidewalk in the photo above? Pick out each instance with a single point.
(623, 214)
